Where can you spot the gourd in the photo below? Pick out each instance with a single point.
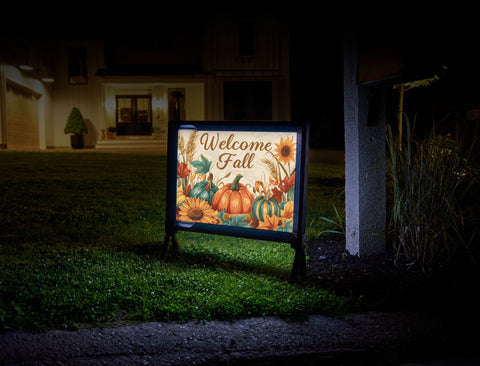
(234, 198)
(263, 206)
(180, 196)
(205, 189)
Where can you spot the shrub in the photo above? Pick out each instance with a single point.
(425, 182)
(75, 123)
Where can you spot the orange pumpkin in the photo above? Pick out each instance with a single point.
(233, 197)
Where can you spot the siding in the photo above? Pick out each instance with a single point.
(22, 118)
(221, 48)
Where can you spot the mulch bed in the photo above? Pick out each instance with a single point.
(380, 284)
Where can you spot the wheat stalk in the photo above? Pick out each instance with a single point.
(191, 145)
(181, 144)
(271, 166)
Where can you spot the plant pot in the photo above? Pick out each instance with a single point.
(77, 141)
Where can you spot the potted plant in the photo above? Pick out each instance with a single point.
(111, 133)
(77, 127)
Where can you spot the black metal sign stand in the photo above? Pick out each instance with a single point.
(299, 268)
(169, 238)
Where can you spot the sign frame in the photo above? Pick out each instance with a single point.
(296, 237)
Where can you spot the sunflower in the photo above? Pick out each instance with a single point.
(197, 210)
(285, 150)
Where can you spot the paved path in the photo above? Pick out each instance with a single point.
(364, 339)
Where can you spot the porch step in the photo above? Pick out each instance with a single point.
(135, 143)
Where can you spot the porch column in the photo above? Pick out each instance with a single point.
(3, 107)
(365, 193)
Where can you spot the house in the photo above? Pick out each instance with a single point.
(134, 81)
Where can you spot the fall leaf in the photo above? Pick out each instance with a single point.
(187, 190)
(273, 182)
(287, 211)
(260, 187)
(287, 183)
(270, 223)
(182, 170)
(202, 165)
(277, 194)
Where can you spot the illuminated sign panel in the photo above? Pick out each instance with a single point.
(243, 179)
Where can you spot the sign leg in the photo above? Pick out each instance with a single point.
(299, 262)
(169, 237)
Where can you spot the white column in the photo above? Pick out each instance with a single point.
(365, 194)
(3, 107)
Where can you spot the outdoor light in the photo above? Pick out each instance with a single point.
(157, 103)
(25, 67)
(110, 103)
(48, 79)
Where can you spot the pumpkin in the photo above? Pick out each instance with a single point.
(263, 206)
(233, 197)
(204, 190)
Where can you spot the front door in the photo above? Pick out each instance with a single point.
(134, 115)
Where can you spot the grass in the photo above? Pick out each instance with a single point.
(80, 237)
(427, 180)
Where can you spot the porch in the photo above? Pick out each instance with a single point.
(156, 144)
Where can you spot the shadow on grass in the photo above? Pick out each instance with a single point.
(202, 259)
(218, 261)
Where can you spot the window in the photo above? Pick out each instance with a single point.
(246, 39)
(247, 101)
(134, 115)
(77, 65)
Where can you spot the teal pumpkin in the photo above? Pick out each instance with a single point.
(204, 190)
(263, 206)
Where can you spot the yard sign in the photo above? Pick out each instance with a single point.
(238, 179)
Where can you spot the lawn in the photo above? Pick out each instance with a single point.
(80, 240)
